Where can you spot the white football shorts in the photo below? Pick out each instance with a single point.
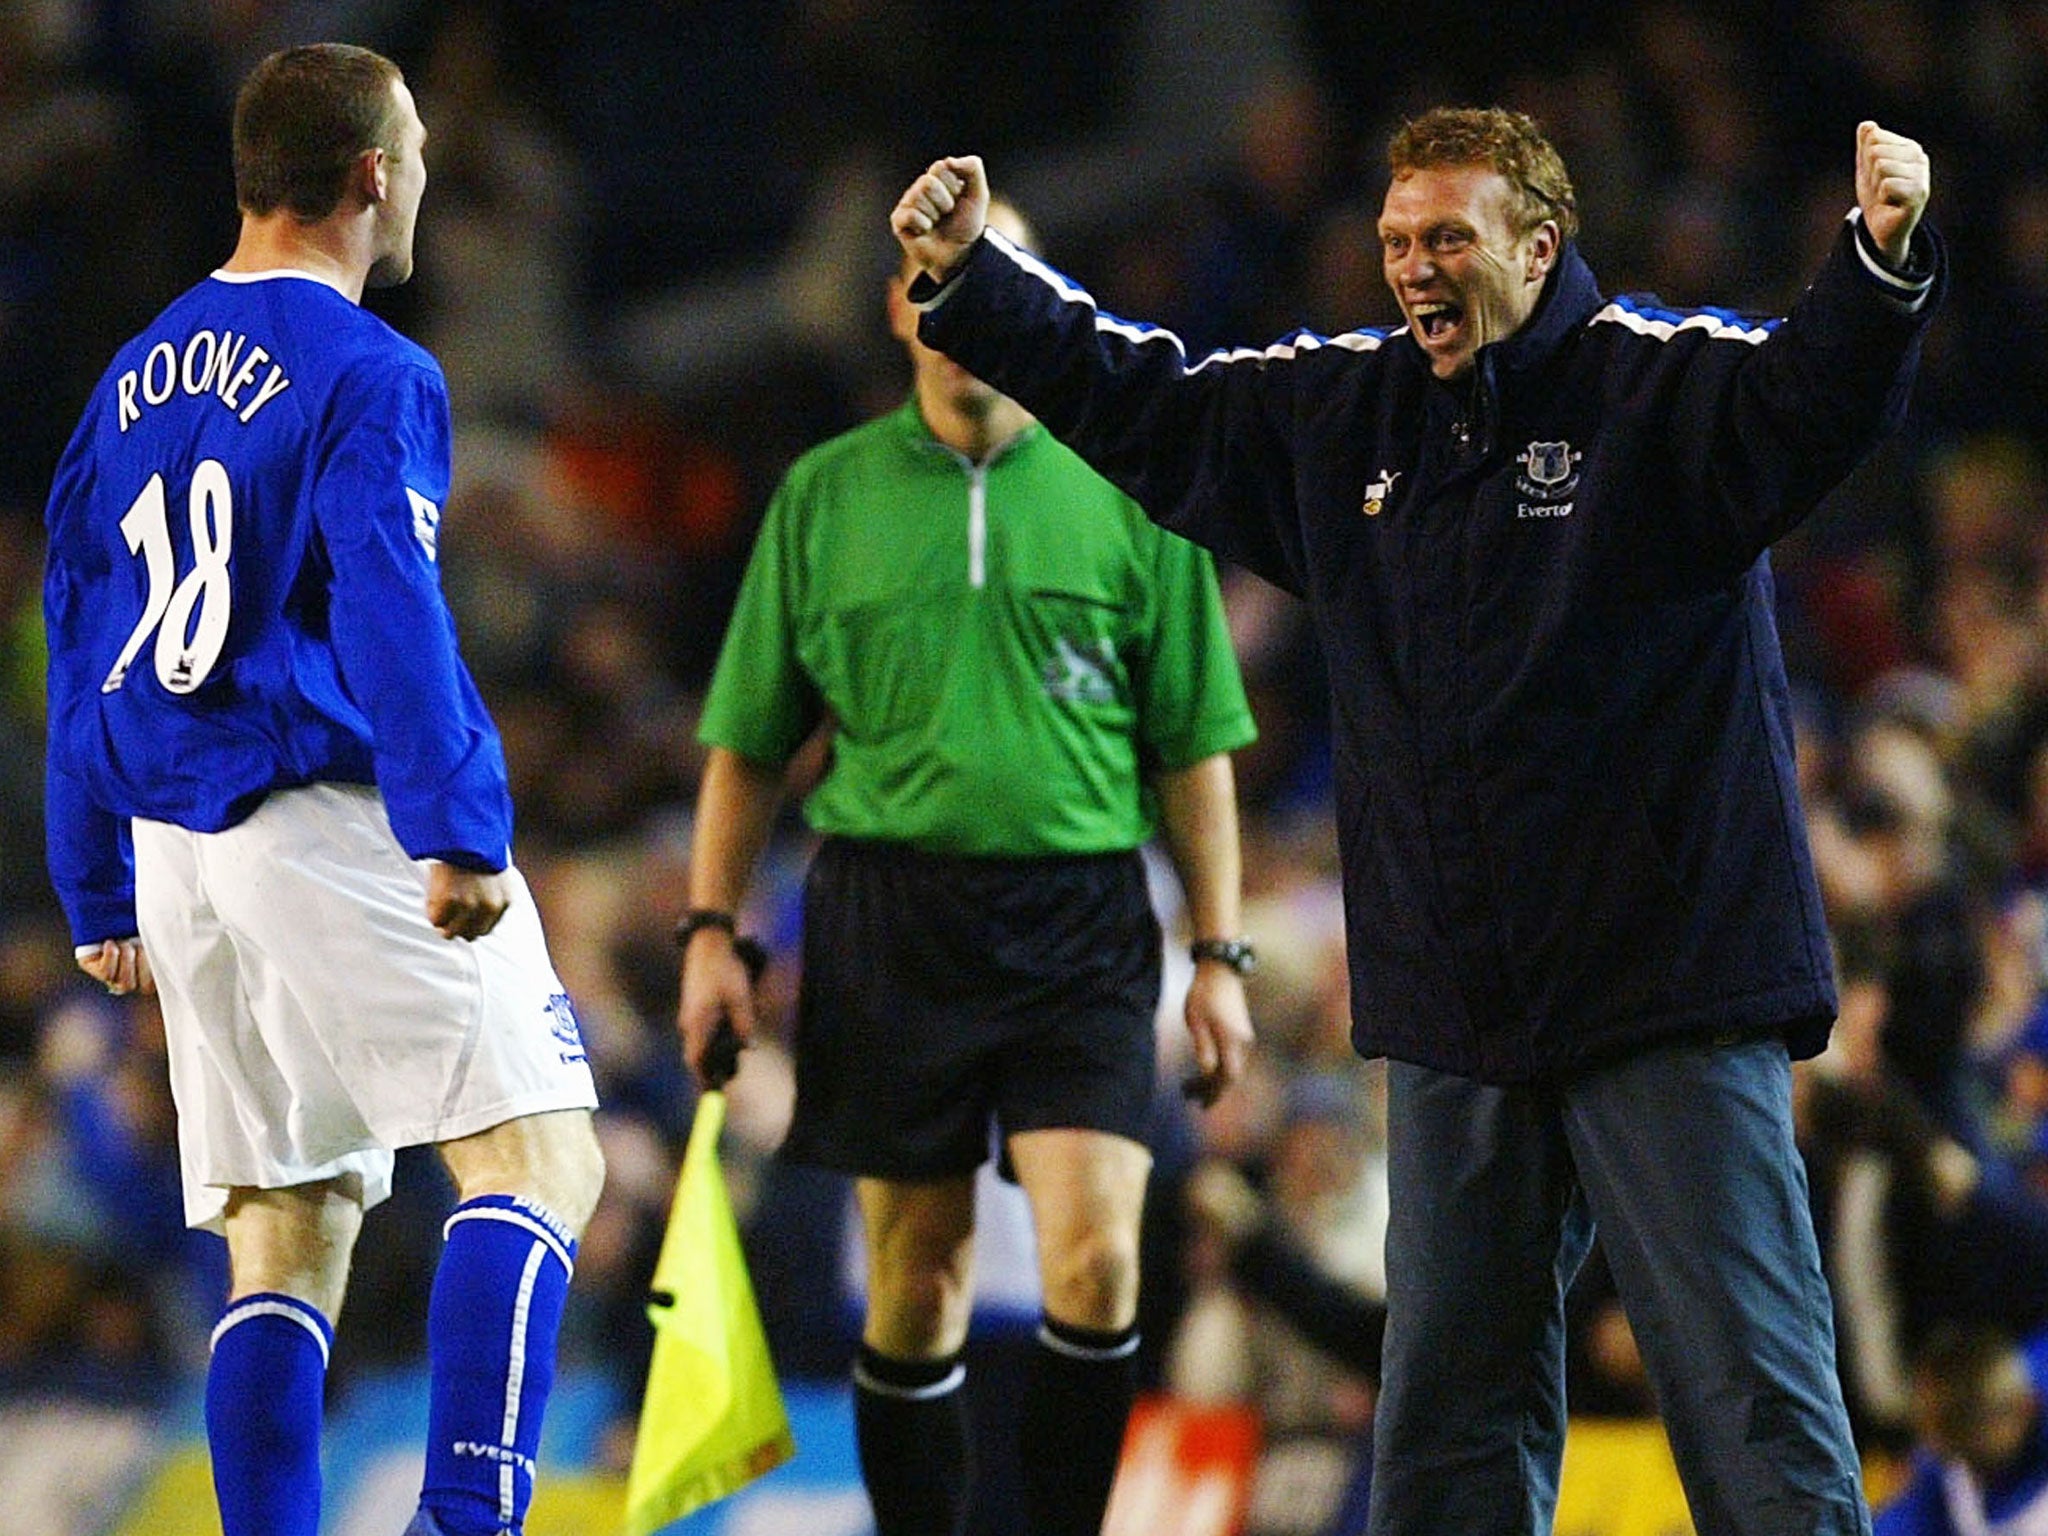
(315, 1021)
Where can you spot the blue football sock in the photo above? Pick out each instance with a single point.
(491, 1325)
(263, 1415)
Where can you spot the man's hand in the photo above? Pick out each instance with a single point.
(119, 965)
(465, 903)
(938, 220)
(717, 988)
(1892, 182)
(1220, 1026)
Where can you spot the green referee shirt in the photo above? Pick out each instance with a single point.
(1004, 650)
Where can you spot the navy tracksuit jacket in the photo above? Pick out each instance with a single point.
(1566, 804)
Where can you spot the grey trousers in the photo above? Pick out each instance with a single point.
(1683, 1155)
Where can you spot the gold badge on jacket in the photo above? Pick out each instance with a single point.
(1380, 492)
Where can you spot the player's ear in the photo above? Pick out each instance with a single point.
(1544, 245)
(370, 176)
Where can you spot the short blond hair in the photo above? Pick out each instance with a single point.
(1507, 142)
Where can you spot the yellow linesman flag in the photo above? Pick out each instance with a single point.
(713, 1418)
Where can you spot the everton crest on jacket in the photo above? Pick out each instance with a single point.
(1564, 756)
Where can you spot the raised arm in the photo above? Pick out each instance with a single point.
(1206, 448)
(1770, 418)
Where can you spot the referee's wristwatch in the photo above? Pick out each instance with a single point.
(1238, 954)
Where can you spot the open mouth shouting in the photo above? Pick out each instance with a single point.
(1447, 333)
(1436, 322)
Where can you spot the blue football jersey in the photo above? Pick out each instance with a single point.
(242, 591)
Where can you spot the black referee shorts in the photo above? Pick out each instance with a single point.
(942, 994)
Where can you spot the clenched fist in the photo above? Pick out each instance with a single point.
(1892, 183)
(942, 214)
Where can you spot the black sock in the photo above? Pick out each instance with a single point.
(910, 1421)
(1076, 1402)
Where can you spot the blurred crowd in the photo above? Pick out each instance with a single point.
(651, 262)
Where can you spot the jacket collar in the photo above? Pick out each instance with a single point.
(1569, 300)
